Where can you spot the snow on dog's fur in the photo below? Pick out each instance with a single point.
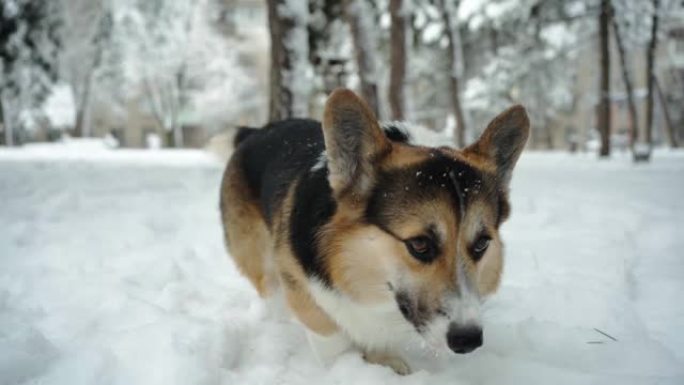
(371, 237)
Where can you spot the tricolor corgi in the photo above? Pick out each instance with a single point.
(369, 236)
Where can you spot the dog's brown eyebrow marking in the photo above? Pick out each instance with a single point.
(429, 232)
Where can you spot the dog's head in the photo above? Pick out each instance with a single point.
(418, 225)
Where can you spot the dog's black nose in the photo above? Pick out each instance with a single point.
(464, 339)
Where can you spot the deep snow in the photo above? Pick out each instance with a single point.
(112, 271)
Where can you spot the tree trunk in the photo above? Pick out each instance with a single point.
(82, 109)
(274, 111)
(669, 127)
(650, 76)
(155, 97)
(177, 101)
(78, 126)
(289, 55)
(365, 50)
(633, 117)
(604, 99)
(455, 53)
(398, 59)
(2, 120)
(6, 124)
(177, 131)
(548, 126)
(494, 39)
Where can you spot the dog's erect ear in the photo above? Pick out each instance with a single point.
(503, 140)
(353, 142)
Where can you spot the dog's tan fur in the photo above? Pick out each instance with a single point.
(245, 232)
(294, 279)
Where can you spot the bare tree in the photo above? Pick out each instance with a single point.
(289, 57)
(184, 68)
(365, 49)
(7, 138)
(650, 76)
(89, 24)
(398, 48)
(604, 93)
(669, 126)
(633, 117)
(165, 97)
(455, 53)
(167, 90)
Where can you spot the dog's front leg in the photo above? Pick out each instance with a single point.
(390, 360)
(327, 348)
(326, 339)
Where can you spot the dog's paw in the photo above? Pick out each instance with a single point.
(327, 348)
(396, 363)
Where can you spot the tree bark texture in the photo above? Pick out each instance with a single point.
(6, 123)
(650, 75)
(604, 118)
(455, 54)
(289, 55)
(631, 105)
(669, 126)
(398, 47)
(365, 50)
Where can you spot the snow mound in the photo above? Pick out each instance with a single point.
(113, 271)
(99, 150)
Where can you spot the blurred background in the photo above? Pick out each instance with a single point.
(111, 244)
(595, 75)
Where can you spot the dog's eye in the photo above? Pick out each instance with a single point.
(422, 248)
(478, 248)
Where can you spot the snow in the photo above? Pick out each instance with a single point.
(558, 36)
(433, 32)
(475, 12)
(60, 108)
(468, 8)
(99, 151)
(113, 271)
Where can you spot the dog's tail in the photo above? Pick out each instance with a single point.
(242, 134)
(223, 144)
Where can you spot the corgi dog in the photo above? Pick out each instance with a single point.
(369, 236)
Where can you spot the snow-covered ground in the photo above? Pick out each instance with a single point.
(112, 271)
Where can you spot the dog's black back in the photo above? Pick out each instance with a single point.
(274, 156)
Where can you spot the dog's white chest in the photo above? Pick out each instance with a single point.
(376, 327)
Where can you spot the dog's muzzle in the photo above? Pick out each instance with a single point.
(464, 339)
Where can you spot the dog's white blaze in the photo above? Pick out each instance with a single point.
(465, 308)
(378, 327)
